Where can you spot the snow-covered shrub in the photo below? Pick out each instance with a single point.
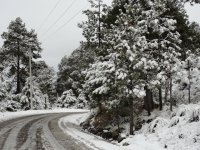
(8, 100)
(2, 93)
(156, 124)
(2, 90)
(10, 103)
(195, 116)
(183, 79)
(81, 101)
(39, 99)
(6, 83)
(174, 121)
(67, 99)
(189, 113)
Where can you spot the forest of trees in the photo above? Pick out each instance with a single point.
(137, 55)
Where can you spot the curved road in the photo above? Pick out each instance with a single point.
(37, 132)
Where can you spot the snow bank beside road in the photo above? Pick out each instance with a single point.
(4, 116)
(76, 119)
(167, 130)
(92, 141)
(138, 142)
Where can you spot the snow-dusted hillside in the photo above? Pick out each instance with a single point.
(177, 130)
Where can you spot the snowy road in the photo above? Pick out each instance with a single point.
(37, 132)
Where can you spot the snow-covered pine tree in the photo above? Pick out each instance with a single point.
(70, 74)
(94, 29)
(17, 42)
(163, 43)
(68, 99)
(40, 100)
(137, 64)
(99, 81)
(186, 82)
(117, 69)
(130, 43)
(82, 101)
(45, 77)
(3, 90)
(8, 101)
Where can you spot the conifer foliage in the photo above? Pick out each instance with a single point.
(40, 100)
(14, 70)
(17, 42)
(141, 50)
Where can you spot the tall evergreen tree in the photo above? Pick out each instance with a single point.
(70, 74)
(45, 77)
(17, 42)
(94, 29)
(40, 100)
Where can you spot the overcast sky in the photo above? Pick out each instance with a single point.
(56, 44)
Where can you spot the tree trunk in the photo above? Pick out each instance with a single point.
(171, 101)
(99, 106)
(189, 75)
(160, 98)
(189, 93)
(151, 100)
(45, 104)
(99, 25)
(117, 113)
(131, 115)
(166, 92)
(147, 101)
(18, 90)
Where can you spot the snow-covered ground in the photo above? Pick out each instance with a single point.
(139, 142)
(4, 116)
(175, 130)
(90, 140)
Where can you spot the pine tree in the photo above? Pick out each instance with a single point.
(163, 43)
(6, 81)
(68, 99)
(94, 29)
(17, 42)
(70, 74)
(126, 40)
(139, 48)
(3, 91)
(45, 77)
(99, 82)
(40, 100)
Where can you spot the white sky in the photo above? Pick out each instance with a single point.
(63, 42)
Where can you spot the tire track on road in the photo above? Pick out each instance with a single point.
(39, 144)
(23, 134)
(10, 124)
(11, 140)
(3, 138)
(31, 139)
(37, 132)
(66, 140)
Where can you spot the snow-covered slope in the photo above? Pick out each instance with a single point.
(177, 130)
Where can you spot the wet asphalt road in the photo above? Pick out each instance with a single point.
(37, 132)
